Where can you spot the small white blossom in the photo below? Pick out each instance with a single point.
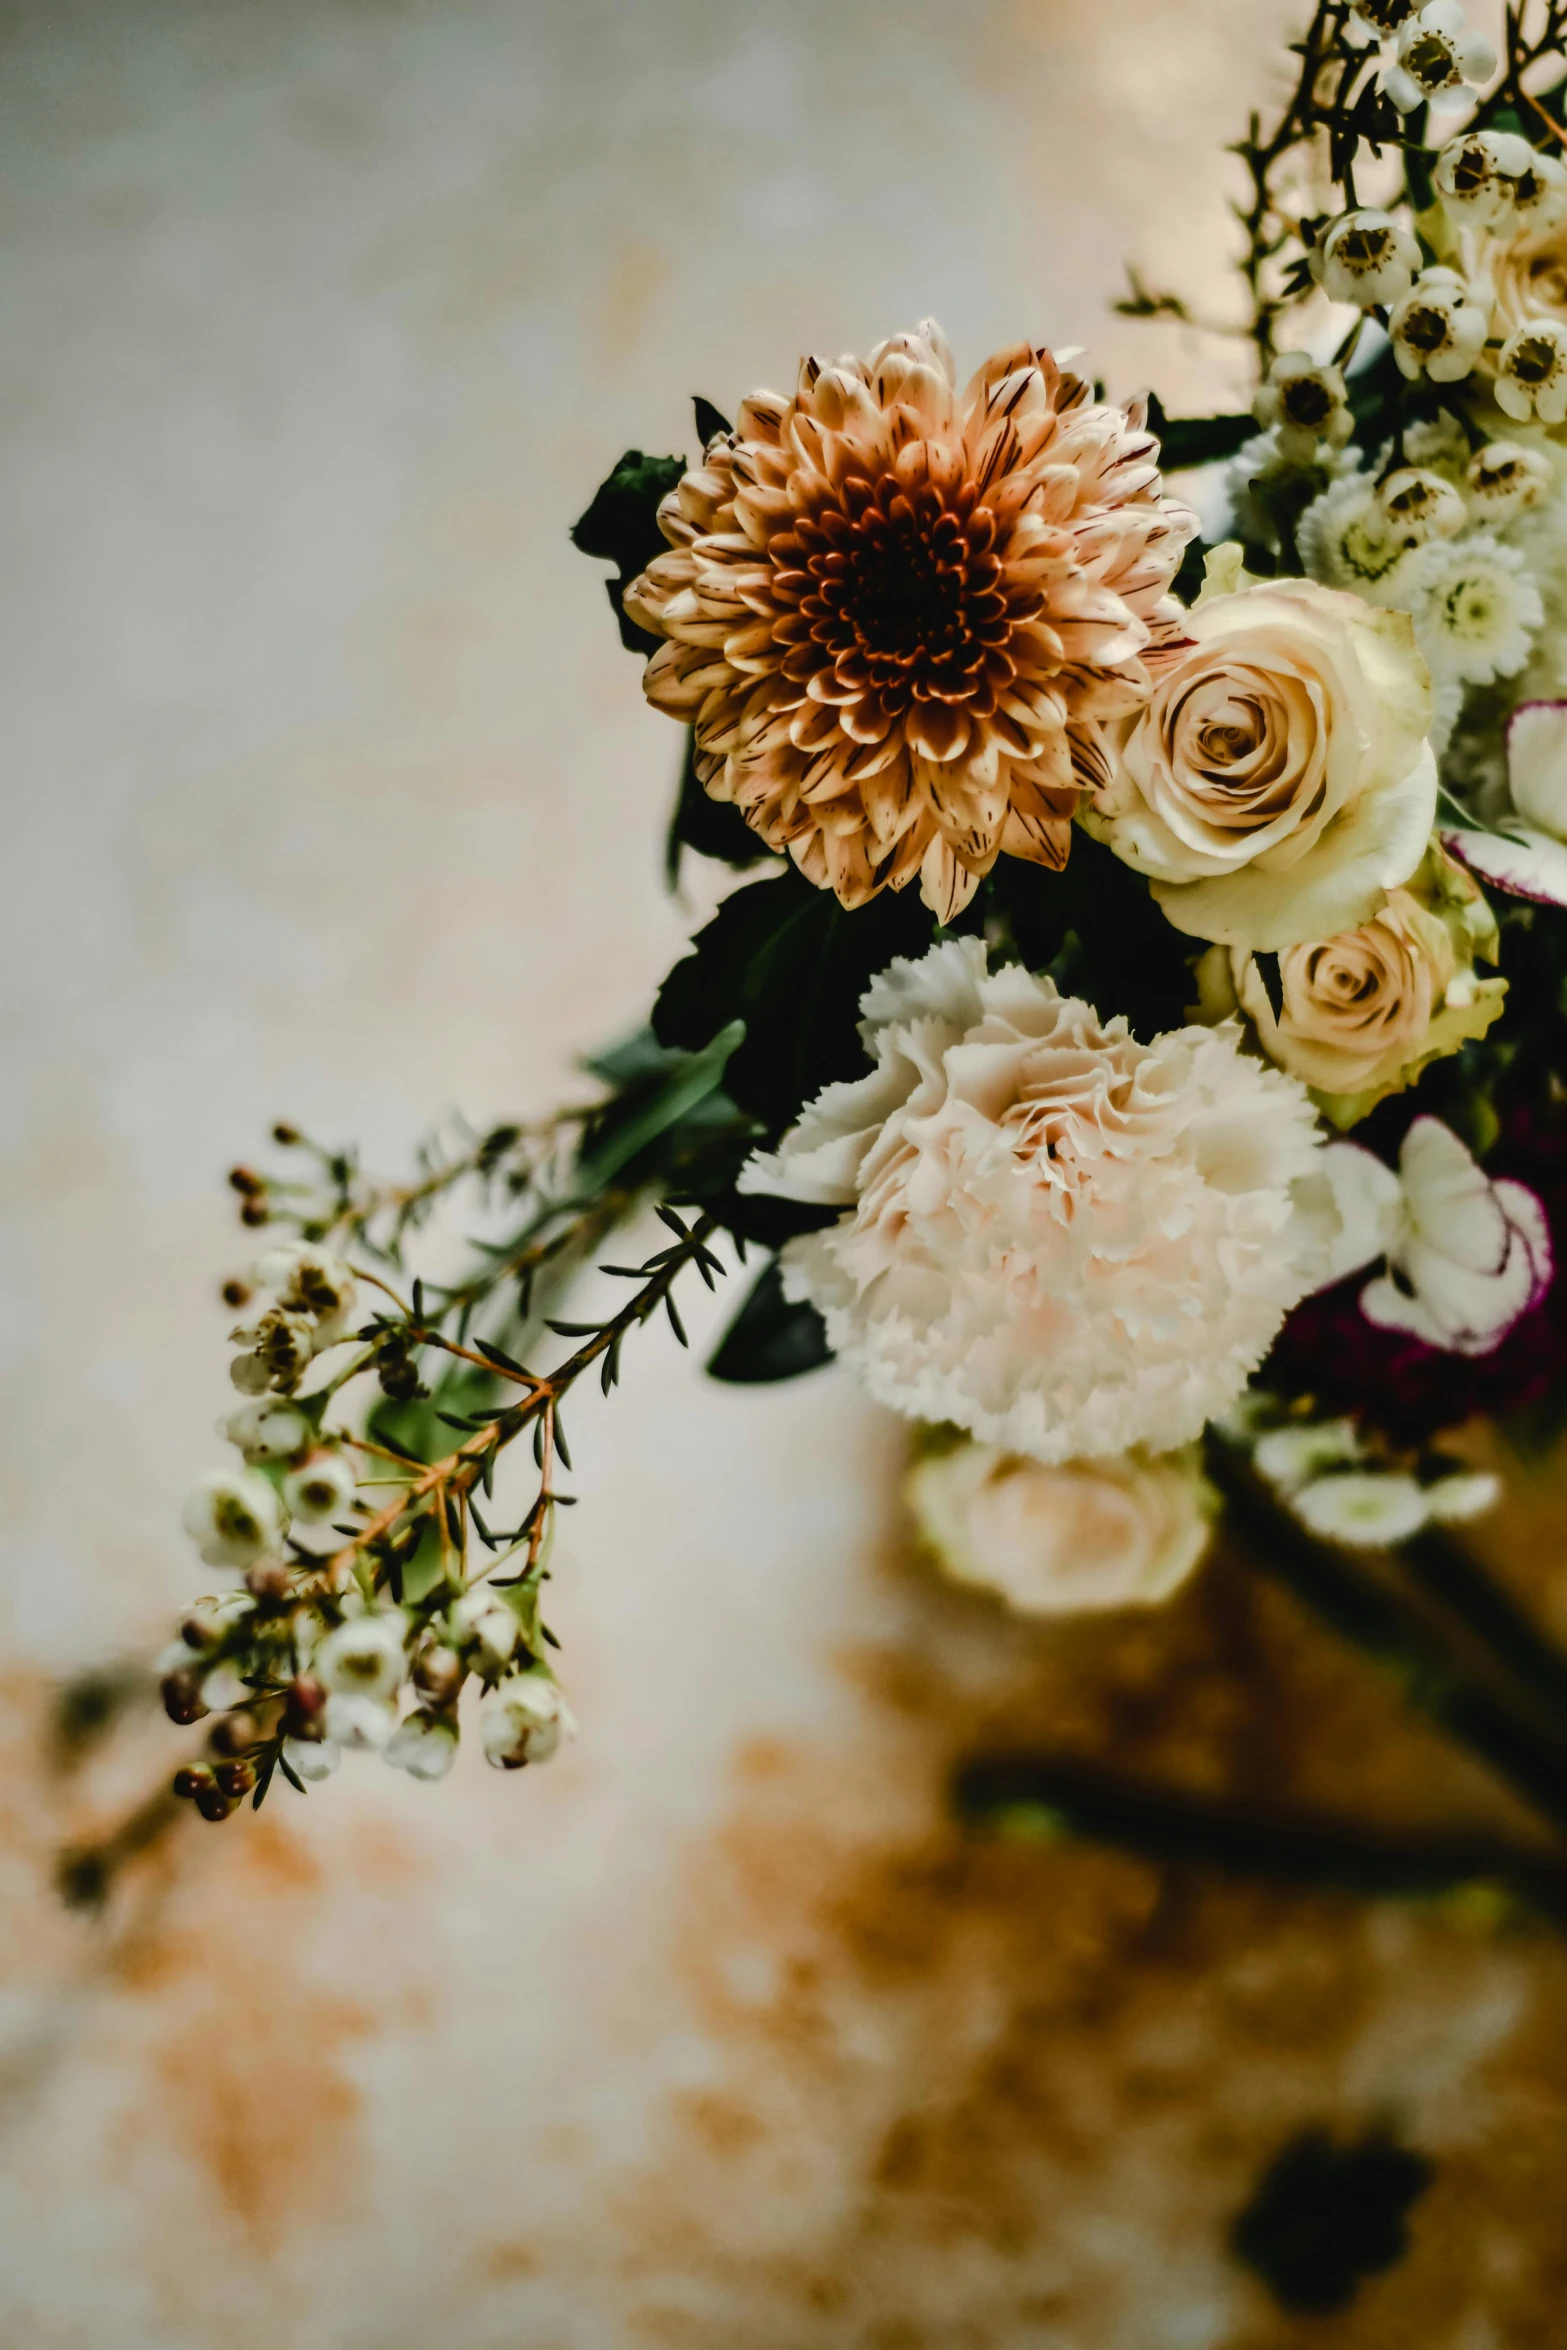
(1507, 478)
(1347, 541)
(1540, 194)
(1366, 1508)
(1531, 372)
(1305, 405)
(425, 1745)
(482, 1620)
(276, 1352)
(1436, 52)
(364, 1656)
(1365, 257)
(321, 1488)
(364, 1724)
(1436, 330)
(1475, 607)
(523, 1720)
(266, 1429)
(1377, 20)
(1294, 1455)
(310, 1280)
(1466, 1256)
(1477, 175)
(1468, 1493)
(1422, 504)
(234, 1517)
(311, 1758)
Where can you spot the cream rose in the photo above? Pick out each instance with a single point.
(1064, 1541)
(1362, 1014)
(1278, 781)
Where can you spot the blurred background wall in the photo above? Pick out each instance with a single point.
(329, 793)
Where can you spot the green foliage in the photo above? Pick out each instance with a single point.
(620, 526)
(769, 1338)
(712, 828)
(785, 958)
(1196, 440)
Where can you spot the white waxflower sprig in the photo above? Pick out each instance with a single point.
(1435, 53)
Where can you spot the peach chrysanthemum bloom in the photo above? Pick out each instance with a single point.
(892, 614)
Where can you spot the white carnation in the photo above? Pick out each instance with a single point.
(1347, 541)
(1063, 1240)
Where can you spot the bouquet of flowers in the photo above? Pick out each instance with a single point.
(1136, 1044)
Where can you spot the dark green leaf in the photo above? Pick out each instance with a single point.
(711, 828)
(621, 527)
(1196, 440)
(770, 1338)
(708, 420)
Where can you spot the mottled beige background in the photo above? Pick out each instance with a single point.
(329, 792)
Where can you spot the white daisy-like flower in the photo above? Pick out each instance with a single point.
(1505, 479)
(1531, 372)
(1347, 540)
(1436, 52)
(1476, 609)
(1305, 403)
(1365, 257)
(1467, 1493)
(1477, 176)
(1291, 1456)
(424, 1745)
(234, 1517)
(1365, 1508)
(313, 1759)
(1243, 507)
(1053, 1236)
(1436, 330)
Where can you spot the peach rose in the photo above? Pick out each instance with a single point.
(1362, 1013)
(1062, 1541)
(1278, 781)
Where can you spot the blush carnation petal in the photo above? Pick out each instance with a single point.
(1524, 863)
(1537, 766)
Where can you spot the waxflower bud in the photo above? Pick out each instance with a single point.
(1531, 372)
(425, 1745)
(1475, 175)
(267, 1429)
(233, 1517)
(304, 1706)
(1506, 478)
(361, 1722)
(363, 1657)
(269, 1580)
(1306, 406)
(311, 1759)
(275, 1352)
(438, 1674)
(212, 1803)
(482, 1621)
(236, 1733)
(1436, 330)
(1436, 53)
(523, 1720)
(310, 1280)
(235, 1778)
(1421, 504)
(321, 1488)
(182, 1698)
(1367, 1509)
(190, 1779)
(1366, 258)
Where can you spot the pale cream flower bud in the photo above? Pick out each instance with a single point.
(1367, 1509)
(1292, 1456)
(1365, 257)
(1436, 330)
(1468, 1493)
(364, 1657)
(424, 1745)
(1305, 405)
(266, 1429)
(321, 1488)
(1507, 478)
(276, 1352)
(234, 1517)
(1531, 372)
(523, 1720)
